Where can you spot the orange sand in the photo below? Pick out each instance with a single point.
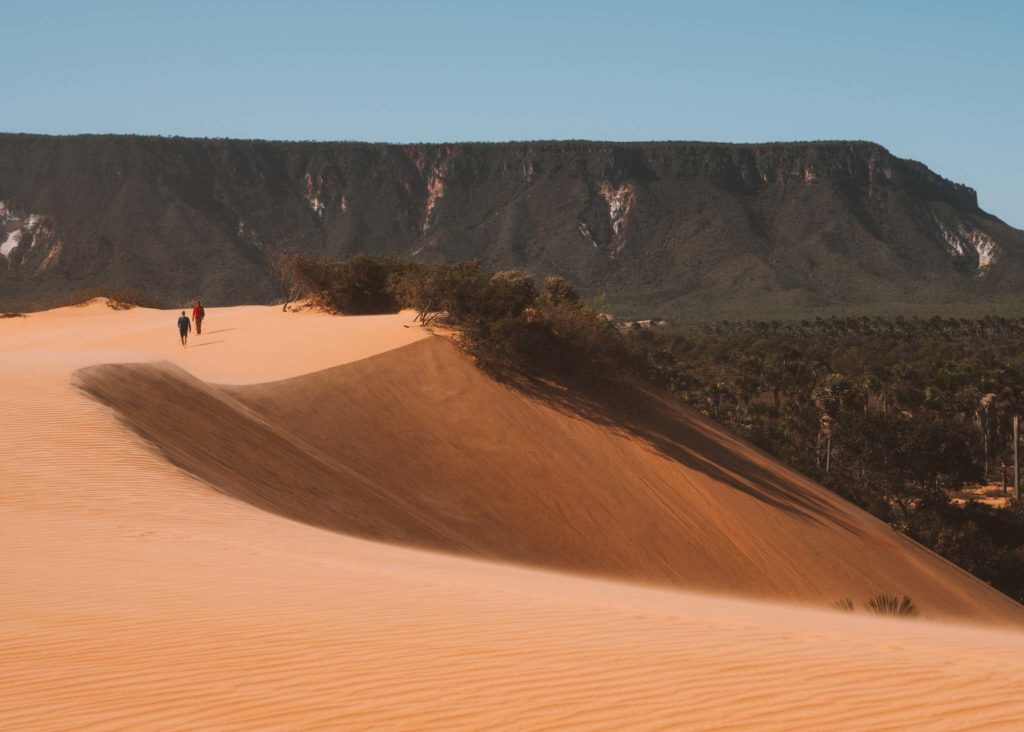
(134, 596)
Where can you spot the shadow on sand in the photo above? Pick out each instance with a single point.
(680, 434)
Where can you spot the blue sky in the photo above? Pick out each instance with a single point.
(940, 82)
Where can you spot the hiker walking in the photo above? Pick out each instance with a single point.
(197, 315)
(183, 328)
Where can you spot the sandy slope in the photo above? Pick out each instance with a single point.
(134, 596)
(416, 446)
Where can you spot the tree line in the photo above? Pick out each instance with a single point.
(892, 414)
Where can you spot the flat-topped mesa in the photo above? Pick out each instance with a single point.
(753, 166)
(690, 230)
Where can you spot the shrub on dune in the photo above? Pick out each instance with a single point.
(885, 604)
(356, 286)
(504, 320)
(454, 291)
(509, 293)
(551, 340)
(116, 298)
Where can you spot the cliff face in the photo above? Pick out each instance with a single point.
(686, 231)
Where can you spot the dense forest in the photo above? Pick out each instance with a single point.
(895, 415)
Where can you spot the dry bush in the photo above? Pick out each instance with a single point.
(283, 267)
(846, 605)
(892, 605)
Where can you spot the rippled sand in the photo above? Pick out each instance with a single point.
(135, 595)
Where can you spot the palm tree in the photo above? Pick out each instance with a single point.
(830, 396)
(869, 383)
(983, 418)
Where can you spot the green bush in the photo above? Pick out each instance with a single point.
(356, 286)
(433, 290)
(464, 293)
(552, 339)
(508, 294)
(507, 323)
(516, 342)
(559, 291)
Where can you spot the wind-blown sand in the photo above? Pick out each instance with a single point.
(135, 595)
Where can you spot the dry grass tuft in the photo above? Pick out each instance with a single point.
(892, 605)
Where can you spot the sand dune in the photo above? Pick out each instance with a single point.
(135, 596)
(417, 446)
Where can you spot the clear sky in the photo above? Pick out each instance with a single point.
(941, 82)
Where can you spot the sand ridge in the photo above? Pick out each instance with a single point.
(136, 597)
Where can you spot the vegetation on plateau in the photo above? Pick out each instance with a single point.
(892, 414)
(689, 231)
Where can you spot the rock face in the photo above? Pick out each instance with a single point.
(29, 240)
(687, 231)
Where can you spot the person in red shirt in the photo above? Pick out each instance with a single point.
(197, 316)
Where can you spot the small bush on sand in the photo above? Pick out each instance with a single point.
(508, 294)
(462, 292)
(504, 319)
(455, 291)
(514, 342)
(283, 267)
(507, 323)
(356, 286)
(845, 605)
(892, 605)
(555, 339)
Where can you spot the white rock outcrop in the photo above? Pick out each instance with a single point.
(965, 242)
(21, 232)
(314, 194)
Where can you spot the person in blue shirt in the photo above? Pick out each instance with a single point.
(184, 327)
